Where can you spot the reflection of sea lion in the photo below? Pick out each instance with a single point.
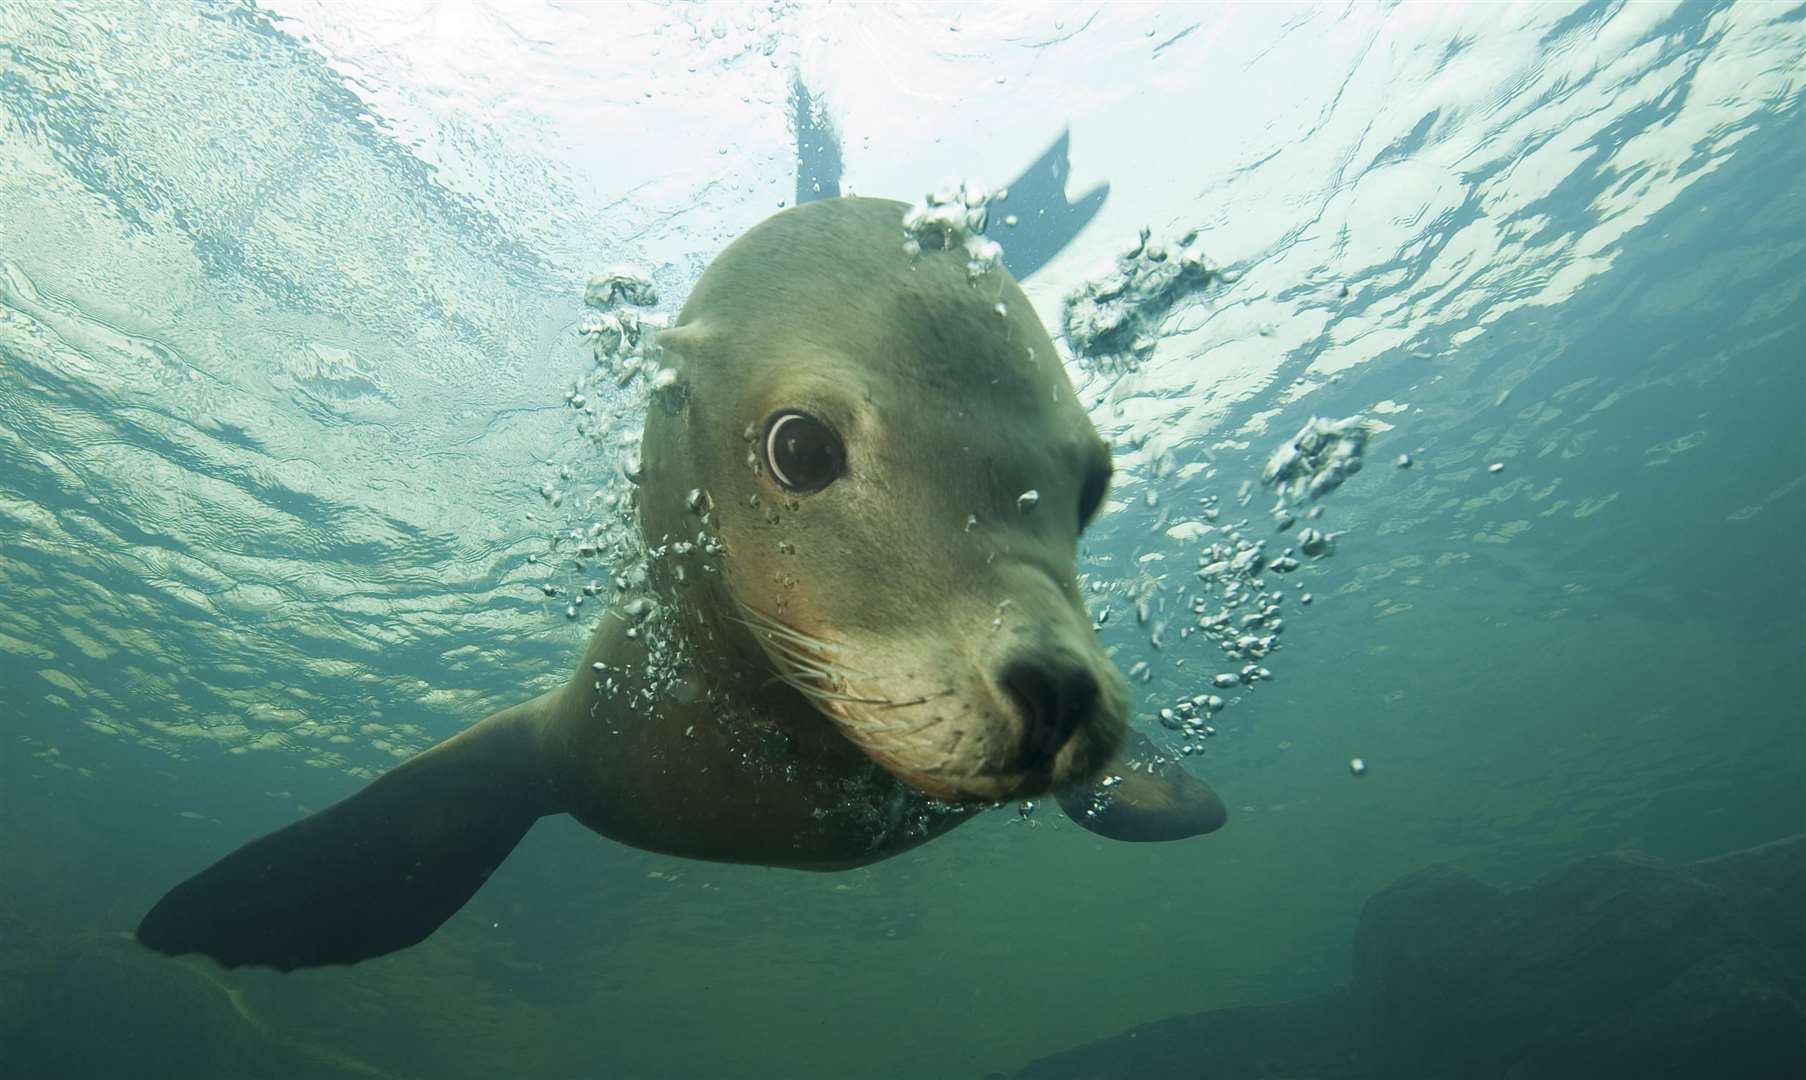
(864, 630)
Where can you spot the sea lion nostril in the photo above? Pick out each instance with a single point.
(1054, 695)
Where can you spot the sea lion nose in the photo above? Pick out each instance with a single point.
(1055, 693)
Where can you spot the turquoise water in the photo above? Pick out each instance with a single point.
(288, 310)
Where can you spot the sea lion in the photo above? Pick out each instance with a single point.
(861, 497)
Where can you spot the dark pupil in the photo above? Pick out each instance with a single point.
(804, 454)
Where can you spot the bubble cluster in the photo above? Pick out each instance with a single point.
(620, 338)
(598, 552)
(1233, 603)
(954, 218)
(1236, 607)
(1190, 718)
(618, 285)
(1112, 322)
(1314, 462)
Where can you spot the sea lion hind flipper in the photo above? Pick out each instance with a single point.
(1046, 222)
(1167, 803)
(374, 873)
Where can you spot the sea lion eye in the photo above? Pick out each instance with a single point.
(1091, 495)
(803, 454)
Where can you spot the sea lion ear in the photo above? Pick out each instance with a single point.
(679, 351)
(684, 341)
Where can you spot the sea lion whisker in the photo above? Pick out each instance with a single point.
(772, 624)
(936, 770)
(802, 682)
(797, 647)
(785, 633)
(815, 657)
(892, 738)
(788, 646)
(794, 655)
(899, 724)
(803, 667)
(764, 620)
(815, 691)
(848, 699)
(920, 700)
(805, 687)
(825, 675)
(905, 732)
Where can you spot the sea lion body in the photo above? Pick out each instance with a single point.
(728, 775)
(861, 496)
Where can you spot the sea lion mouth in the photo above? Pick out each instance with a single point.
(810, 665)
(1009, 741)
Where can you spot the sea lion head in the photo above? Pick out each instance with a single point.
(885, 451)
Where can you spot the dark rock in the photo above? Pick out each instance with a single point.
(1313, 1039)
(105, 1008)
(22, 956)
(1613, 966)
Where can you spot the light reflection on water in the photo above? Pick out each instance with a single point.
(286, 317)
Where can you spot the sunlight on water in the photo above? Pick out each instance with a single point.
(294, 356)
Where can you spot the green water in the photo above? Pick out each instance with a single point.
(285, 325)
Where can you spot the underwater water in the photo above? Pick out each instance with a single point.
(290, 310)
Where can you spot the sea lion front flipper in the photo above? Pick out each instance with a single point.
(1168, 803)
(371, 874)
